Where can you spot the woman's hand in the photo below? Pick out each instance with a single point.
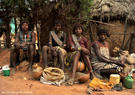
(85, 50)
(22, 45)
(119, 63)
(63, 46)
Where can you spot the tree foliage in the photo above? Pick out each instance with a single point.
(74, 8)
(46, 11)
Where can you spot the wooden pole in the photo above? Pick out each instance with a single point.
(125, 30)
(93, 21)
(90, 31)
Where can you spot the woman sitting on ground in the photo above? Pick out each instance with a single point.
(101, 60)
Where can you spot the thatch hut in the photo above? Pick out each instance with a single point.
(120, 18)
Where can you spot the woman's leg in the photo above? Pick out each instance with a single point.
(44, 55)
(31, 55)
(88, 63)
(61, 59)
(13, 57)
(75, 62)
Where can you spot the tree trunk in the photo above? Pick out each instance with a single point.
(8, 39)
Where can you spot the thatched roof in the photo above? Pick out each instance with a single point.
(114, 8)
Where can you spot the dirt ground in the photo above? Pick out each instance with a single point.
(20, 83)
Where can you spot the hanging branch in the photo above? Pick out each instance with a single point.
(100, 22)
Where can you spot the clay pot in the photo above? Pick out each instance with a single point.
(36, 71)
(80, 66)
(84, 78)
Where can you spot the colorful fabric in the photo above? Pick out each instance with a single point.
(24, 37)
(61, 49)
(76, 41)
(104, 49)
(57, 39)
(97, 66)
(70, 56)
(82, 42)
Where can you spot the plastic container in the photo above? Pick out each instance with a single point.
(6, 70)
(128, 82)
(114, 79)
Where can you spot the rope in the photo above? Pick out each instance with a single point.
(53, 74)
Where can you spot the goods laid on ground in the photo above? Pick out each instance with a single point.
(23, 66)
(36, 71)
(82, 77)
(53, 76)
(80, 66)
(114, 79)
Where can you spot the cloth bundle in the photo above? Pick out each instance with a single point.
(53, 76)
